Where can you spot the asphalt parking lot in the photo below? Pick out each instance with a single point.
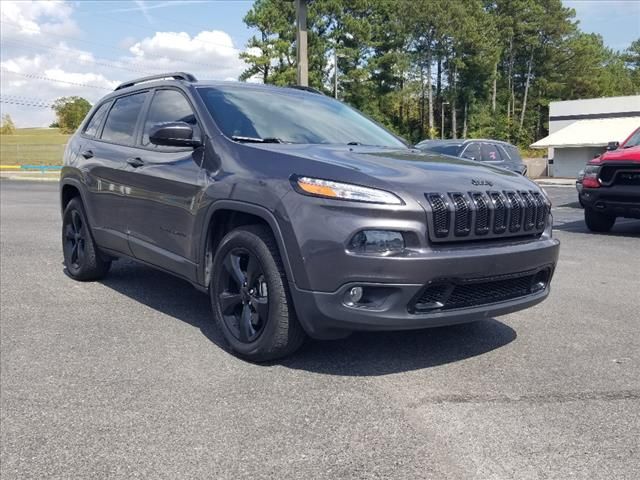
(126, 378)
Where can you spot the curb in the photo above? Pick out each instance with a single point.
(30, 179)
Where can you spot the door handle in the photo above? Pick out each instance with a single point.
(87, 154)
(135, 162)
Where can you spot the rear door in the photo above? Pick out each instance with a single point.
(165, 190)
(490, 153)
(106, 149)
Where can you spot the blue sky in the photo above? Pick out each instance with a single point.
(58, 48)
(618, 21)
(125, 19)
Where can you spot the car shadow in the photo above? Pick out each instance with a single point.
(166, 294)
(361, 354)
(623, 227)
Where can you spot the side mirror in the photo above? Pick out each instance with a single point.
(174, 134)
(612, 146)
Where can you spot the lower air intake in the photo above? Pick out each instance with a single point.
(466, 293)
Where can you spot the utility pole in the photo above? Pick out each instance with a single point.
(442, 119)
(335, 71)
(301, 40)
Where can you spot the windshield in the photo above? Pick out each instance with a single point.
(634, 141)
(290, 116)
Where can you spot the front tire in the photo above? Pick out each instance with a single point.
(250, 296)
(598, 222)
(81, 256)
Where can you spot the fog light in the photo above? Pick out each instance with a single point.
(354, 295)
(377, 241)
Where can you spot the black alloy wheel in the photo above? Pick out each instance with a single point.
(75, 235)
(250, 296)
(82, 259)
(243, 295)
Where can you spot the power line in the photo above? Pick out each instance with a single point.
(34, 46)
(25, 102)
(48, 79)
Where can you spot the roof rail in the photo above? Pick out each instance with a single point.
(306, 89)
(187, 77)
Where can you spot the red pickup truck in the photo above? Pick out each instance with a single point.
(611, 185)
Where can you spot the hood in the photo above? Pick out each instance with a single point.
(620, 155)
(411, 170)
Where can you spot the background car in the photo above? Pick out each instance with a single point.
(610, 186)
(579, 179)
(494, 152)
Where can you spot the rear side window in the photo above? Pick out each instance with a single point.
(167, 106)
(96, 120)
(121, 121)
(490, 153)
(472, 152)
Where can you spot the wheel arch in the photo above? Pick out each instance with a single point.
(71, 188)
(223, 216)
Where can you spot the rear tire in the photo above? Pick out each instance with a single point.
(82, 258)
(598, 222)
(250, 296)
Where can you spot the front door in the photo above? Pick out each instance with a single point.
(165, 190)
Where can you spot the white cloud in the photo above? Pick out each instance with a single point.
(38, 61)
(209, 54)
(36, 19)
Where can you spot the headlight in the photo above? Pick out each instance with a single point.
(344, 191)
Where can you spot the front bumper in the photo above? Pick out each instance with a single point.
(327, 315)
(616, 200)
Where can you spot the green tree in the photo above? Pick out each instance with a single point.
(272, 53)
(631, 58)
(7, 127)
(485, 68)
(70, 111)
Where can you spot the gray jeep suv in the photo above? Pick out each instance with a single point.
(297, 214)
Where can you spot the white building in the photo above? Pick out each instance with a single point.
(581, 129)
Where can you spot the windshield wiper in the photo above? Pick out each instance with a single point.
(239, 138)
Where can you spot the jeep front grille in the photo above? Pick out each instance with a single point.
(458, 216)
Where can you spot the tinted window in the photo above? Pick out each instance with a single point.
(446, 149)
(121, 121)
(93, 125)
(490, 153)
(512, 152)
(291, 116)
(472, 152)
(634, 141)
(167, 106)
